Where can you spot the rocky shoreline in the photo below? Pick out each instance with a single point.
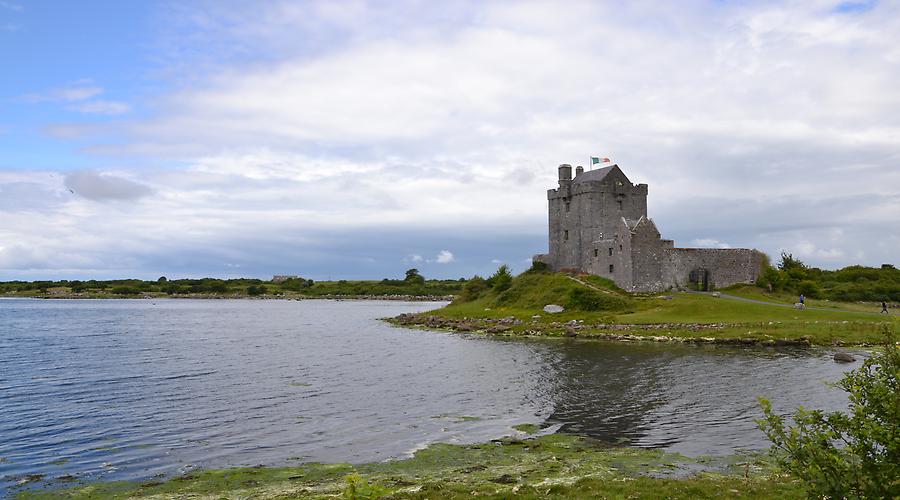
(657, 332)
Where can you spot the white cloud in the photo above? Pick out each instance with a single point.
(709, 243)
(11, 6)
(103, 186)
(102, 107)
(416, 258)
(399, 115)
(444, 257)
(77, 92)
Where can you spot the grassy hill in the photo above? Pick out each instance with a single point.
(595, 307)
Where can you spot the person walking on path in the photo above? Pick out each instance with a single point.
(884, 307)
(802, 299)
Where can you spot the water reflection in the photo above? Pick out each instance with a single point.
(686, 398)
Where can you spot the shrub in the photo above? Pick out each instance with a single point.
(125, 290)
(538, 267)
(501, 279)
(473, 289)
(296, 284)
(855, 455)
(809, 288)
(586, 299)
(413, 276)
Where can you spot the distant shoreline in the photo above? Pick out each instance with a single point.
(75, 296)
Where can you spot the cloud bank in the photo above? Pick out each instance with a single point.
(352, 141)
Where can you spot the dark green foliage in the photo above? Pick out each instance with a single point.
(789, 263)
(809, 289)
(852, 283)
(473, 289)
(254, 290)
(847, 455)
(586, 299)
(538, 267)
(296, 284)
(125, 290)
(501, 279)
(413, 276)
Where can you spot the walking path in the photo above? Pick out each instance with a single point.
(733, 297)
(779, 304)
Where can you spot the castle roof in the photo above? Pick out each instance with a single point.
(595, 175)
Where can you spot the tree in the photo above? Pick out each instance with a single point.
(788, 262)
(847, 455)
(162, 279)
(413, 276)
(501, 279)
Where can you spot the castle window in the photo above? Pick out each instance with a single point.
(566, 235)
(610, 268)
(567, 206)
(620, 204)
(596, 252)
(610, 251)
(620, 248)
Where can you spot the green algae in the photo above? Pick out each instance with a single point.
(526, 428)
(557, 465)
(456, 418)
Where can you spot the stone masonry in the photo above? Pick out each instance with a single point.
(599, 225)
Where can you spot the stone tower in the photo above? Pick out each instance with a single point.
(589, 208)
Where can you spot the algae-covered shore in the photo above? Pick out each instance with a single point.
(595, 309)
(549, 466)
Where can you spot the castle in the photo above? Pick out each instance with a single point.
(599, 225)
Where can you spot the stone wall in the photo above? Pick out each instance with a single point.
(726, 266)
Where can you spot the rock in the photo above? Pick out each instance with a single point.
(553, 309)
(843, 357)
(536, 316)
(716, 294)
(497, 329)
(799, 305)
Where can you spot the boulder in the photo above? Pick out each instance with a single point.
(843, 357)
(553, 309)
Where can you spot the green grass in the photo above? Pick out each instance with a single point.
(554, 466)
(679, 315)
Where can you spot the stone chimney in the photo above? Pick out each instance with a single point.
(579, 170)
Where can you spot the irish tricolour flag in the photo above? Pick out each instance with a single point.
(596, 159)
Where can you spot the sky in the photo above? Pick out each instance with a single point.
(342, 140)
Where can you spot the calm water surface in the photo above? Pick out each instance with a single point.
(130, 389)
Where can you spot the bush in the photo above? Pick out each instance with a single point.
(254, 290)
(809, 289)
(501, 280)
(413, 276)
(473, 289)
(538, 267)
(586, 299)
(855, 455)
(125, 290)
